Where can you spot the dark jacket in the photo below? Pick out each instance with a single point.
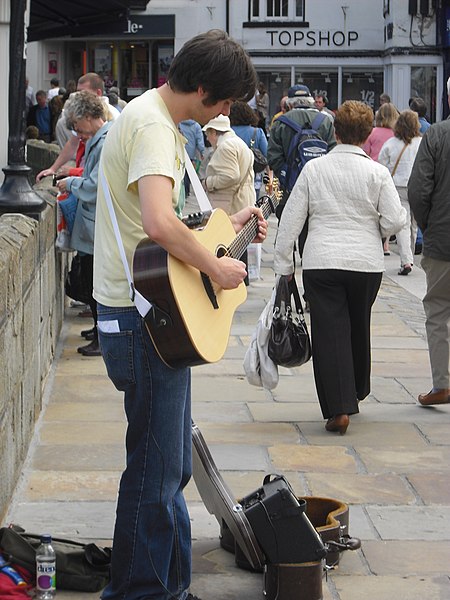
(429, 190)
(281, 135)
(32, 118)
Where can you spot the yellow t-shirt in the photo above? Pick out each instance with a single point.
(143, 141)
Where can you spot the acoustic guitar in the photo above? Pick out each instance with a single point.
(190, 319)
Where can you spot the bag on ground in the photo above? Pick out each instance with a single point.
(81, 567)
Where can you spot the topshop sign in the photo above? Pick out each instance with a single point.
(312, 38)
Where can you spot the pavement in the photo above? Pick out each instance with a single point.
(392, 467)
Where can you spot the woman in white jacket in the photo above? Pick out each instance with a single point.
(350, 202)
(398, 155)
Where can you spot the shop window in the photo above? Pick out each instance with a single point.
(423, 85)
(277, 9)
(101, 62)
(134, 68)
(323, 83)
(366, 87)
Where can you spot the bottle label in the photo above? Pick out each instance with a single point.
(46, 576)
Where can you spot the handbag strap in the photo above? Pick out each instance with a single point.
(202, 199)
(398, 160)
(289, 288)
(253, 138)
(143, 306)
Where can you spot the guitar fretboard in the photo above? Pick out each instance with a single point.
(238, 246)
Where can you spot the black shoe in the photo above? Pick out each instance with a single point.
(88, 334)
(418, 249)
(92, 349)
(405, 270)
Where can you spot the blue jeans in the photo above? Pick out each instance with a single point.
(151, 556)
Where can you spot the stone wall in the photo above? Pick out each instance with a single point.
(31, 314)
(40, 156)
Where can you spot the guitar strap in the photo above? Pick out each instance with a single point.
(142, 305)
(202, 199)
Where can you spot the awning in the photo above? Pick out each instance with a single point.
(77, 18)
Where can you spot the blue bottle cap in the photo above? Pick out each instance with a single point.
(46, 538)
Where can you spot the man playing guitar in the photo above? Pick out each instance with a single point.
(143, 162)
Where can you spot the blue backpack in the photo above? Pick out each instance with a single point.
(305, 145)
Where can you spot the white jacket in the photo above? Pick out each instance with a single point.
(350, 202)
(389, 154)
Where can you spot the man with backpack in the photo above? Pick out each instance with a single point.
(296, 137)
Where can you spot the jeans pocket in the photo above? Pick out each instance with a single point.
(117, 351)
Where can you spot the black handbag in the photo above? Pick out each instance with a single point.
(81, 567)
(77, 286)
(259, 160)
(289, 343)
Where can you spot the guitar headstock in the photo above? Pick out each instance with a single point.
(272, 197)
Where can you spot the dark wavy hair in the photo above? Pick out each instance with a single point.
(216, 63)
(353, 122)
(242, 114)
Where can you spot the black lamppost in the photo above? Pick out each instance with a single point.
(16, 193)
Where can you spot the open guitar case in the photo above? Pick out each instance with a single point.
(291, 540)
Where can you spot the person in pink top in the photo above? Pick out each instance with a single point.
(385, 120)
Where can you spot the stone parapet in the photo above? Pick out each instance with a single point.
(31, 313)
(40, 156)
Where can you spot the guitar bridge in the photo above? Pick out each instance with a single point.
(209, 290)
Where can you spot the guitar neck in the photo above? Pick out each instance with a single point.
(248, 233)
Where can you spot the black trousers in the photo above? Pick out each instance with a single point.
(341, 305)
(87, 274)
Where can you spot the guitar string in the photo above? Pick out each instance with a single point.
(248, 232)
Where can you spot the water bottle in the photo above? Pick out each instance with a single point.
(45, 569)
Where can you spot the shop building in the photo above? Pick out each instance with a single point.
(341, 48)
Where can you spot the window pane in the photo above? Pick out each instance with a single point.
(299, 8)
(277, 8)
(423, 85)
(366, 87)
(255, 8)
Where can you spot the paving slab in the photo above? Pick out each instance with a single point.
(367, 433)
(407, 558)
(405, 460)
(101, 457)
(69, 486)
(326, 459)
(432, 488)
(73, 520)
(388, 588)
(411, 522)
(249, 433)
(362, 489)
